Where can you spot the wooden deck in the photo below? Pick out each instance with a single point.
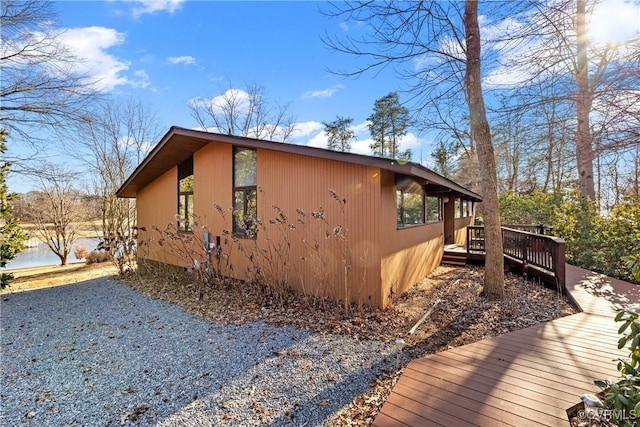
(523, 378)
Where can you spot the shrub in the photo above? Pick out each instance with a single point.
(80, 252)
(623, 395)
(632, 262)
(599, 242)
(95, 257)
(574, 221)
(534, 208)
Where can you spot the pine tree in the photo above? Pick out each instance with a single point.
(11, 235)
(339, 133)
(388, 123)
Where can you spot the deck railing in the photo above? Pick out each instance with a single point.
(531, 228)
(535, 254)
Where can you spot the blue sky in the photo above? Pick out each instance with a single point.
(168, 52)
(183, 50)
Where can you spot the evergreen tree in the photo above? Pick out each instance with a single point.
(339, 133)
(443, 158)
(11, 235)
(388, 123)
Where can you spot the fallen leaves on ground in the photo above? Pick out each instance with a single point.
(461, 316)
(133, 415)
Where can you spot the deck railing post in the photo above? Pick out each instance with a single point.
(559, 262)
(468, 239)
(523, 247)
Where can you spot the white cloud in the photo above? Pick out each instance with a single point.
(90, 46)
(142, 79)
(492, 31)
(362, 142)
(361, 128)
(147, 58)
(358, 146)
(614, 21)
(185, 59)
(312, 134)
(344, 25)
(322, 93)
(410, 141)
(156, 6)
(362, 146)
(305, 129)
(319, 140)
(238, 97)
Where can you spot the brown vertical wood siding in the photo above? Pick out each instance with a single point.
(307, 254)
(461, 230)
(157, 206)
(408, 254)
(353, 251)
(346, 264)
(212, 181)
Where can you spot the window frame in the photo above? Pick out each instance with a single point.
(400, 206)
(186, 221)
(246, 191)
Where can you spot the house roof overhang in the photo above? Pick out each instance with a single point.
(178, 144)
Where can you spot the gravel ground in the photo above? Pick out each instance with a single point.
(99, 354)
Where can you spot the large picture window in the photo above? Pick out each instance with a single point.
(245, 195)
(410, 204)
(433, 208)
(185, 195)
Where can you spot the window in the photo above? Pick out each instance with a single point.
(410, 204)
(457, 209)
(433, 209)
(185, 195)
(467, 208)
(245, 203)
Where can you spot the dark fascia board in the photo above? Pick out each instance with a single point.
(178, 144)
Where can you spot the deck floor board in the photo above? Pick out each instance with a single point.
(528, 377)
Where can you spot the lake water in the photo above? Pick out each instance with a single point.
(41, 255)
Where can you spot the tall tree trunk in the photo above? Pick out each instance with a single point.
(494, 258)
(584, 149)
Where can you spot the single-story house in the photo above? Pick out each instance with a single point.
(323, 222)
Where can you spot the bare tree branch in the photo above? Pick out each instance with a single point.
(40, 88)
(243, 112)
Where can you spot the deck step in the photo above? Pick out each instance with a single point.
(454, 258)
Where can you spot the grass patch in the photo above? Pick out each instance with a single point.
(43, 277)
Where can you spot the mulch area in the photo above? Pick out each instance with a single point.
(460, 315)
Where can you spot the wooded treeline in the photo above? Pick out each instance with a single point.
(524, 85)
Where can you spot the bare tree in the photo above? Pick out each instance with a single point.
(437, 37)
(40, 85)
(480, 132)
(57, 207)
(584, 100)
(243, 112)
(561, 65)
(112, 144)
